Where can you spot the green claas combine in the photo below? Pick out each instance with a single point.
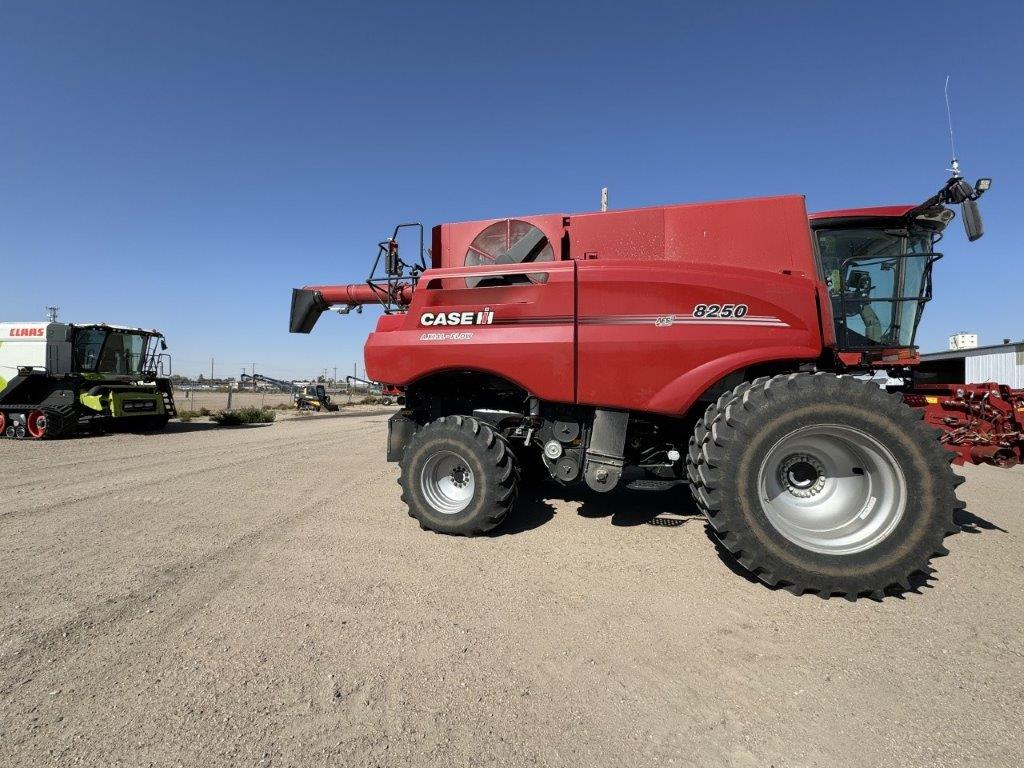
(59, 378)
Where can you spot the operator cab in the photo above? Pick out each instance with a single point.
(878, 271)
(113, 351)
(877, 263)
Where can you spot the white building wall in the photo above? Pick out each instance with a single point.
(999, 367)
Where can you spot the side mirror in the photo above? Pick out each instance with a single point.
(959, 191)
(163, 344)
(972, 219)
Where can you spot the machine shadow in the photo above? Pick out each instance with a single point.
(627, 508)
(673, 508)
(971, 523)
(621, 507)
(181, 427)
(532, 510)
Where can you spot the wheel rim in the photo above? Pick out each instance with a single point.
(36, 424)
(447, 482)
(832, 489)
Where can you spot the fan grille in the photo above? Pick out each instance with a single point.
(495, 242)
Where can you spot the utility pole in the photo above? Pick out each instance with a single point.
(211, 369)
(335, 376)
(254, 377)
(51, 314)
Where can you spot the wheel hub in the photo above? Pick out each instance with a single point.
(460, 476)
(802, 475)
(832, 489)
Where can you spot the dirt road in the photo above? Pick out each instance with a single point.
(258, 596)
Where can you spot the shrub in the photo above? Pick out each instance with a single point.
(245, 416)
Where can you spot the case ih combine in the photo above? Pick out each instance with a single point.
(57, 378)
(715, 344)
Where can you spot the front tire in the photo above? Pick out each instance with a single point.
(823, 484)
(459, 476)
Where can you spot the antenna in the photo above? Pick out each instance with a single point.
(51, 314)
(952, 147)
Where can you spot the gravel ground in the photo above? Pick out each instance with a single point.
(258, 596)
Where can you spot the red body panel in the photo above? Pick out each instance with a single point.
(765, 233)
(884, 211)
(623, 299)
(642, 348)
(530, 342)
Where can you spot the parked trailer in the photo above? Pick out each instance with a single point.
(714, 344)
(58, 378)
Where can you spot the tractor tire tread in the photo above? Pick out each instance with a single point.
(731, 420)
(500, 480)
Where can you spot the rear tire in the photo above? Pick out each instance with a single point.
(823, 484)
(459, 476)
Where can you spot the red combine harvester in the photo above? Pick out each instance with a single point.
(707, 344)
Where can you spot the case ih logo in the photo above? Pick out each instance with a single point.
(483, 317)
(28, 332)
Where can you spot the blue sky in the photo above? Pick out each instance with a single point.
(183, 165)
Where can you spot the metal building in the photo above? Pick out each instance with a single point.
(999, 363)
